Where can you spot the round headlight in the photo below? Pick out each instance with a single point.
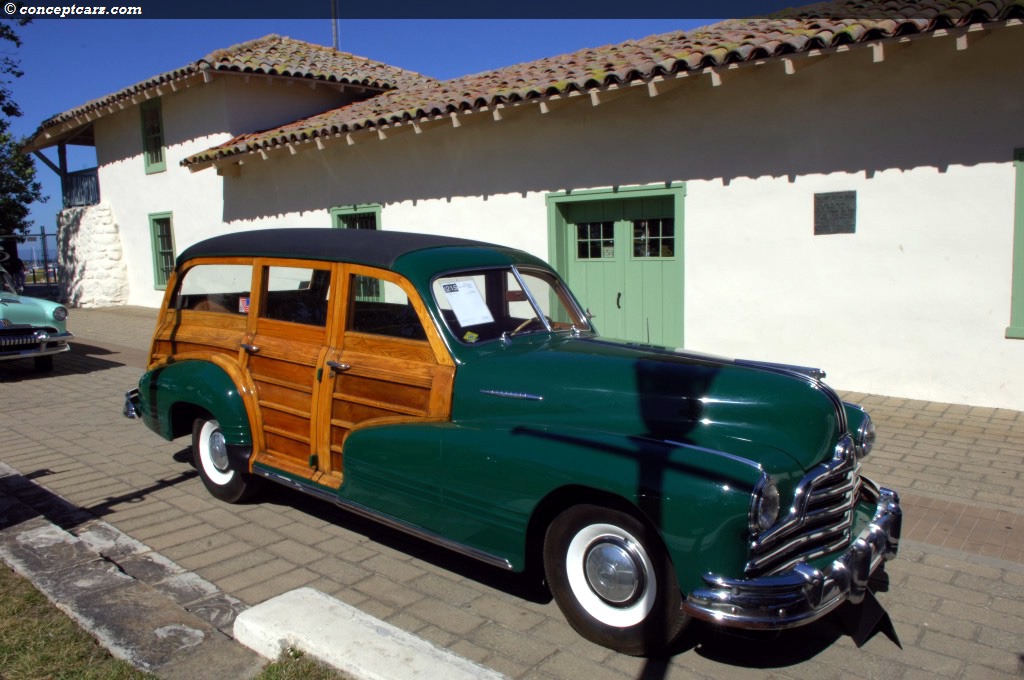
(764, 505)
(60, 313)
(865, 439)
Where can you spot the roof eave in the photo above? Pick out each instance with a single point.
(656, 81)
(63, 130)
(60, 131)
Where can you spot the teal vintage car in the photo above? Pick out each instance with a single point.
(30, 328)
(456, 390)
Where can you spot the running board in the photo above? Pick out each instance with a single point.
(328, 495)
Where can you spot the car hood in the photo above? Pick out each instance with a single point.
(773, 415)
(20, 310)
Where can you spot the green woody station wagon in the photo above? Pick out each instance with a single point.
(456, 390)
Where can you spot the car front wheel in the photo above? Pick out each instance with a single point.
(613, 580)
(210, 453)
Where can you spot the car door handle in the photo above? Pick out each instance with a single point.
(618, 300)
(338, 366)
(251, 349)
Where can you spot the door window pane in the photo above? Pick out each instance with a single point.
(654, 237)
(387, 312)
(595, 240)
(296, 294)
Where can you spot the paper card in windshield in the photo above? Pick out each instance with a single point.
(467, 303)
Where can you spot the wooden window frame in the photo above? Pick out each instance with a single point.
(160, 280)
(149, 150)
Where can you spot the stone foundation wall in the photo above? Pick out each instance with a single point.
(90, 257)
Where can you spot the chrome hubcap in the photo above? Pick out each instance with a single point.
(614, 570)
(219, 451)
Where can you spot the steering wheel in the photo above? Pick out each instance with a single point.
(524, 325)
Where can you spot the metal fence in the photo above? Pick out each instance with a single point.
(39, 253)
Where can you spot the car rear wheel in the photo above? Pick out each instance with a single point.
(210, 453)
(613, 580)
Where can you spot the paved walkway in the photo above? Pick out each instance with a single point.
(956, 593)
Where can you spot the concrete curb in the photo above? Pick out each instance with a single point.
(348, 639)
(141, 606)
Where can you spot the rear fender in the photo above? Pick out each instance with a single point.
(184, 384)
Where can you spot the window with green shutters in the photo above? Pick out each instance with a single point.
(1016, 327)
(364, 216)
(153, 137)
(162, 230)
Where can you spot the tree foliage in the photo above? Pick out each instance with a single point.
(18, 185)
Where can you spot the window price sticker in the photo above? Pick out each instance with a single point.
(467, 303)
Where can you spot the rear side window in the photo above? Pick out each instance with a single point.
(221, 288)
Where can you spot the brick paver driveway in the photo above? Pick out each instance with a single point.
(956, 593)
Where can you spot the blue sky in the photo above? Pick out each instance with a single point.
(69, 62)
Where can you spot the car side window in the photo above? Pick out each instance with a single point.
(296, 294)
(381, 307)
(221, 288)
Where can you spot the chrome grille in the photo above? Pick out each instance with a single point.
(819, 522)
(19, 338)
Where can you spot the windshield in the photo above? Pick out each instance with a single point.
(6, 283)
(482, 305)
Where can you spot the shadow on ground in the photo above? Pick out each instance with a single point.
(746, 649)
(38, 501)
(81, 359)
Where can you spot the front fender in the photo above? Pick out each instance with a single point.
(202, 383)
(493, 480)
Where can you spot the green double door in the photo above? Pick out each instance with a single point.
(624, 262)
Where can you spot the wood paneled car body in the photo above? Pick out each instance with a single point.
(457, 391)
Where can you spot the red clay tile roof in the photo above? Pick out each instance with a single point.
(270, 55)
(824, 25)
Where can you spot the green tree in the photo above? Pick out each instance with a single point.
(18, 185)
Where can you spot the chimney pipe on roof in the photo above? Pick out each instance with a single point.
(334, 23)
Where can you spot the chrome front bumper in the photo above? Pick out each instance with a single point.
(132, 405)
(38, 343)
(803, 594)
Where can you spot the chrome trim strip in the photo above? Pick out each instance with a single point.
(513, 395)
(387, 520)
(529, 296)
(731, 456)
(815, 373)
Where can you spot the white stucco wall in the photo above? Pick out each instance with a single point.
(507, 219)
(195, 119)
(914, 304)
